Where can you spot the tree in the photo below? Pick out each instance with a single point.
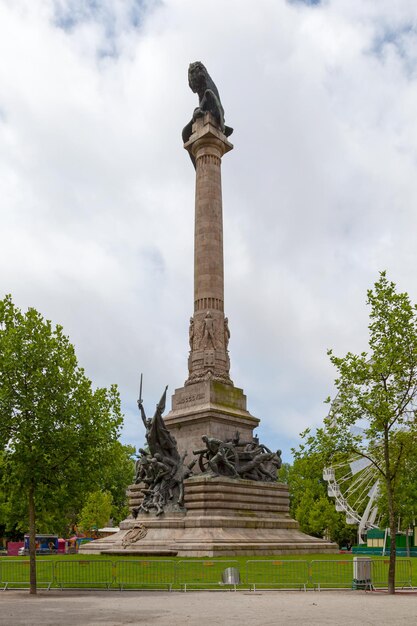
(55, 430)
(116, 476)
(377, 391)
(96, 511)
(309, 503)
(406, 497)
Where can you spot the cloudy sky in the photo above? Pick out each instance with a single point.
(319, 194)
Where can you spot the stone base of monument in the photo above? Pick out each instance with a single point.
(208, 408)
(224, 517)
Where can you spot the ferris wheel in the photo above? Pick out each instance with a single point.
(354, 485)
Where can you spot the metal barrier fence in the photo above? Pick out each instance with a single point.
(201, 574)
(94, 573)
(403, 573)
(133, 574)
(331, 574)
(197, 574)
(273, 574)
(15, 574)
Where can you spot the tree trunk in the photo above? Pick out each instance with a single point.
(393, 547)
(32, 540)
(407, 541)
(392, 517)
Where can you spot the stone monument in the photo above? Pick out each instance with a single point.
(206, 486)
(208, 403)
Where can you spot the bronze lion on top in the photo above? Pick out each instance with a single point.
(203, 85)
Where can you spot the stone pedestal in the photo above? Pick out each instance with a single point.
(208, 408)
(225, 517)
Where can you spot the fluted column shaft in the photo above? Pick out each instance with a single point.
(209, 333)
(208, 241)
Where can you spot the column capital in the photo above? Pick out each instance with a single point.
(206, 134)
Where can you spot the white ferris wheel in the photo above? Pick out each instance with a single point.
(354, 486)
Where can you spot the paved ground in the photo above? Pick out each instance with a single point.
(112, 608)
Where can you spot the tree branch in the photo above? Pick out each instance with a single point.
(366, 456)
(397, 462)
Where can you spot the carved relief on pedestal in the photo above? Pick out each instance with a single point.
(198, 333)
(209, 332)
(191, 333)
(203, 333)
(209, 336)
(138, 532)
(226, 333)
(209, 358)
(226, 342)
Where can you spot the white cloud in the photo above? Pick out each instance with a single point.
(319, 193)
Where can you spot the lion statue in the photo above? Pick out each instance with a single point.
(208, 100)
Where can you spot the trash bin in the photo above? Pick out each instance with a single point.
(362, 573)
(231, 576)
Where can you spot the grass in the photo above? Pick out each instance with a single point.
(95, 571)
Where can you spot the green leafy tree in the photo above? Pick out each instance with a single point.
(377, 391)
(284, 472)
(406, 496)
(13, 520)
(323, 518)
(96, 512)
(55, 430)
(116, 476)
(309, 503)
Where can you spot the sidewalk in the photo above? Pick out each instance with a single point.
(112, 608)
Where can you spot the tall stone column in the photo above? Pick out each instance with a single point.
(209, 403)
(209, 331)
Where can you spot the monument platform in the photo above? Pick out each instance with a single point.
(225, 517)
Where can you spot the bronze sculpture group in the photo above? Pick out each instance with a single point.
(161, 470)
(233, 458)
